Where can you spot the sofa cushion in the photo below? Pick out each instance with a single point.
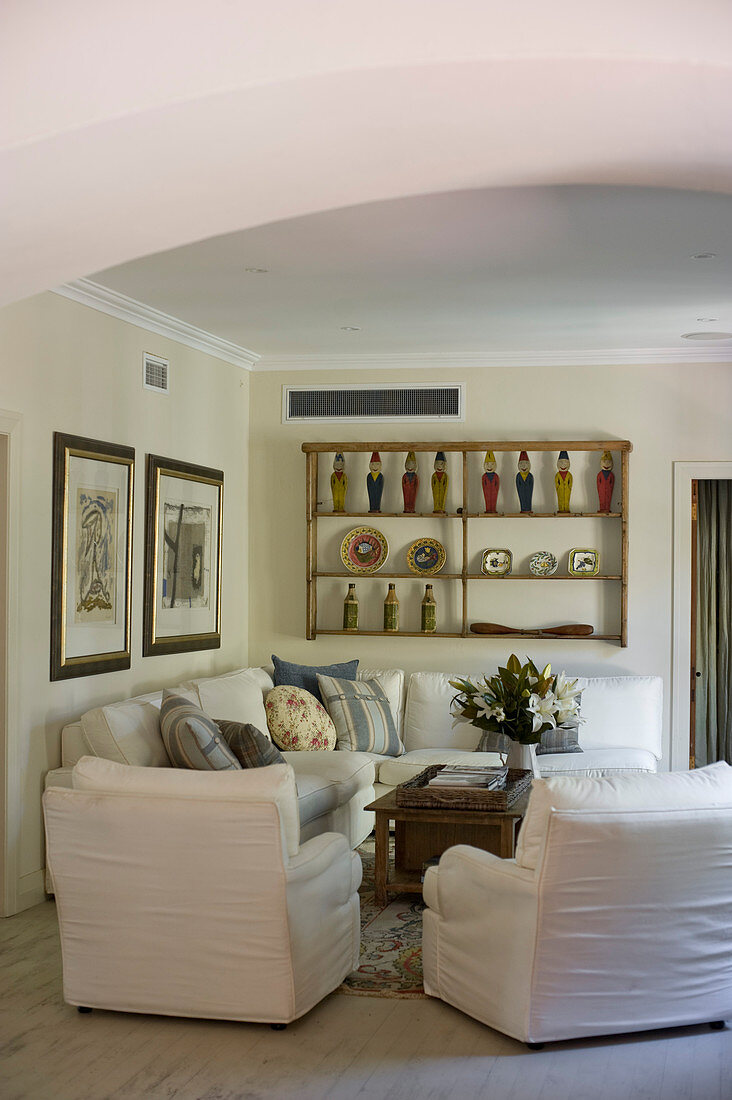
(361, 715)
(191, 738)
(596, 763)
(237, 696)
(705, 787)
(392, 681)
(346, 772)
(297, 721)
(129, 732)
(306, 676)
(315, 796)
(275, 784)
(620, 711)
(249, 745)
(428, 722)
(394, 771)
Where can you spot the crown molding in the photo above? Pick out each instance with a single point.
(137, 313)
(444, 360)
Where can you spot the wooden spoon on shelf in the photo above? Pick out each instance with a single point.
(570, 630)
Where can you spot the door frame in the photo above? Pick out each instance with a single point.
(10, 795)
(684, 474)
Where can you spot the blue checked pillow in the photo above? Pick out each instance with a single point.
(191, 738)
(361, 714)
(249, 745)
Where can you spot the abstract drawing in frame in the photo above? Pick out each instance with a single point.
(91, 564)
(183, 528)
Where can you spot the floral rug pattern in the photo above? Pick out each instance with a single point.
(391, 941)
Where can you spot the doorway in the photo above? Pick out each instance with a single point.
(710, 725)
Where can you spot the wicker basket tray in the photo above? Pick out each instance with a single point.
(415, 792)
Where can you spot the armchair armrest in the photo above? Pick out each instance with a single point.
(317, 856)
(468, 880)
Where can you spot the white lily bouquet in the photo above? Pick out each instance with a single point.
(519, 703)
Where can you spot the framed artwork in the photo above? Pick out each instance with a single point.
(91, 556)
(183, 529)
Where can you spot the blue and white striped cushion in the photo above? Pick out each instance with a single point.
(191, 738)
(361, 715)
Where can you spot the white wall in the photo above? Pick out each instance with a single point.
(667, 412)
(69, 368)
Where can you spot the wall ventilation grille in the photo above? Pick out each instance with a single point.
(155, 374)
(373, 402)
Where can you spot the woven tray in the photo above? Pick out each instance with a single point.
(415, 792)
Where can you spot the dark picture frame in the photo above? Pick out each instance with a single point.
(91, 556)
(184, 508)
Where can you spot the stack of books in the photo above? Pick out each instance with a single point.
(465, 775)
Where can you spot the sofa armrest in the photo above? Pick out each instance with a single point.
(59, 777)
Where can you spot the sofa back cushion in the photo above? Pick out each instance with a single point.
(621, 712)
(129, 732)
(694, 790)
(236, 696)
(427, 720)
(273, 784)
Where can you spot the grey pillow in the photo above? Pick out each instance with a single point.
(191, 738)
(563, 739)
(306, 676)
(250, 747)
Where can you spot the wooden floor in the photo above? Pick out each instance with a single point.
(347, 1047)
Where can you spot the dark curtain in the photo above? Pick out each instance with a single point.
(714, 623)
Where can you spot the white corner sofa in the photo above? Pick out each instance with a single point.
(621, 734)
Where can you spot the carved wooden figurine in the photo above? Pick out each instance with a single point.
(339, 483)
(563, 482)
(410, 482)
(491, 482)
(375, 482)
(606, 482)
(440, 481)
(524, 482)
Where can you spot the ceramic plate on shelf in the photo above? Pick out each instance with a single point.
(364, 550)
(496, 562)
(583, 562)
(543, 564)
(426, 556)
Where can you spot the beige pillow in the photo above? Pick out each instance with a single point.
(297, 721)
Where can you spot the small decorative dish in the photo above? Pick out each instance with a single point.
(496, 562)
(543, 564)
(583, 562)
(426, 556)
(364, 550)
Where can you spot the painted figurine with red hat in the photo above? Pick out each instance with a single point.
(490, 481)
(524, 482)
(563, 482)
(375, 482)
(440, 481)
(410, 482)
(606, 482)
(339, 483)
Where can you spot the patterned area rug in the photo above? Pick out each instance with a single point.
(391, 941)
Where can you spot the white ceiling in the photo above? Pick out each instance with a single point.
(490, 271)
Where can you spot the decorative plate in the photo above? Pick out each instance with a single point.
(496, 562)
(426, 556)
(364, 550)
(583, 563)
(543, 564)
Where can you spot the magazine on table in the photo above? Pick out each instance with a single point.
(470, 775)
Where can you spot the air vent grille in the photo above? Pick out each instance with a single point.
(374, 402)
(155, 373)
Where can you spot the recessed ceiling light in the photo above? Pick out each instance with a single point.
(257, 270)
(704, 256)
(706, 335)
(350, 328)
(703, 319)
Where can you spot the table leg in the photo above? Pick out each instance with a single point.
(507, 840)
(381, 858)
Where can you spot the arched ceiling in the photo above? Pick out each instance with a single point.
(135, 128)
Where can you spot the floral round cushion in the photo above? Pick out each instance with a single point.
(297, 721)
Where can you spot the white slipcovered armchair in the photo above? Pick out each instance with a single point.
(615, 916)
(189, 894)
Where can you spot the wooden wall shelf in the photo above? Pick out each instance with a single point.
(312, 451)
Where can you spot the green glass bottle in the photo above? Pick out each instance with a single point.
(391, 610)
(350, 609)
(429, 612)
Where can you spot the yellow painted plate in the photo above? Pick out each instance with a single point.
(583, 562)
(426, 556)
(364, 550)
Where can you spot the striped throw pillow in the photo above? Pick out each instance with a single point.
(361, 715)
(191, 738)
(249, 745)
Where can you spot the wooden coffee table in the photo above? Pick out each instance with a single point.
(421, 834)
